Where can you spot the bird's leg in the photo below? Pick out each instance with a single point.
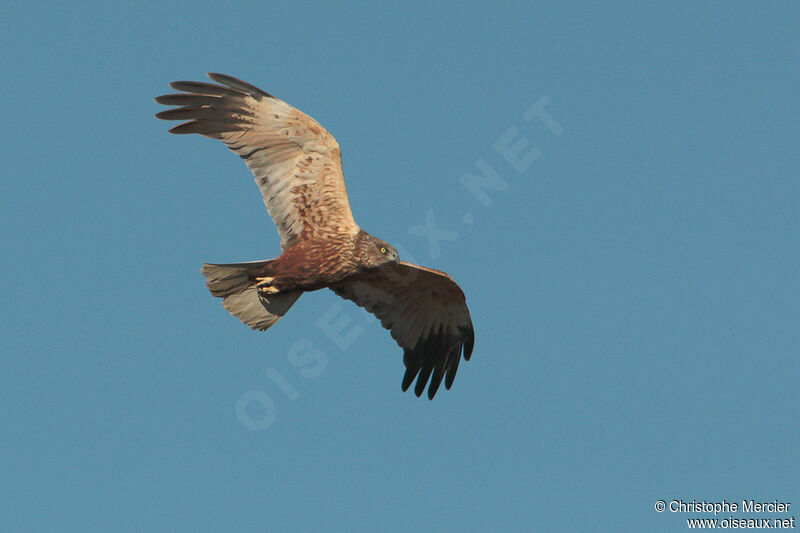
(264, 286)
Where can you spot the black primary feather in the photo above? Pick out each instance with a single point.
(236, 83)
(200, 87)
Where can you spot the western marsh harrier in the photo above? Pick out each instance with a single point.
(298, 167)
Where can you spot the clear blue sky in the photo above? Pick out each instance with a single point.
(633, 279)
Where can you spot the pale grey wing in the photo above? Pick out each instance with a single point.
(296, 163)
(426, 313)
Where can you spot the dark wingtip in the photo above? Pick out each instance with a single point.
(208, 89)
(185, 128)
(408, 378)
(204, 127)
(469, 340)
(238, 84)
(452, 366)
(165, 115)
(422, 380)
(436, 380)
(189, 99)
(165, 99)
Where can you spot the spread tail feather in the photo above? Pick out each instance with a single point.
(235, 283)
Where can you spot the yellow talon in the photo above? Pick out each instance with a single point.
(264, 285)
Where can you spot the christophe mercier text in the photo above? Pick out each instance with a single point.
(747, 506)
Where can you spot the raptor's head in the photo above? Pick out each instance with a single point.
(373, 252)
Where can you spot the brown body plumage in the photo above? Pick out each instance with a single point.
(318, 263)
(297, 166)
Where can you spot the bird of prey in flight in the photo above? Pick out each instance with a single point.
(297, 166)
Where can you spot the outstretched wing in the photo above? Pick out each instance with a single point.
(427, 314)
(297, 164)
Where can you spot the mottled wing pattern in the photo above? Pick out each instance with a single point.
(426, 313)
(296, 163)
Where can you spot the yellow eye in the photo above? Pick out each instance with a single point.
(383, 250)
